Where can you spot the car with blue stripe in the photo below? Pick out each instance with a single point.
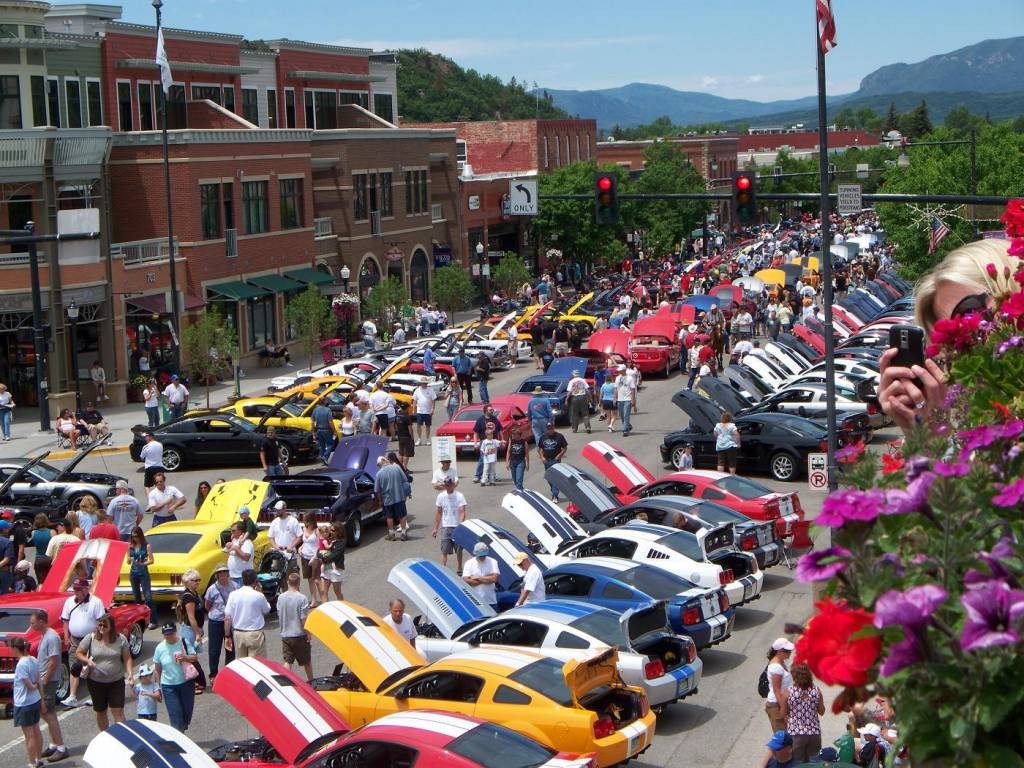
(554, 384)
(651, 655)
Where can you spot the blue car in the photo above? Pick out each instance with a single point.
(555, 384)
(703, 615)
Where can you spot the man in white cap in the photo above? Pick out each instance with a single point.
(481, 573)
(873, 749)
(424, 398)
(440, 475)
(533, 581)
(398, 337)
(625, 392)
(285, 533)
(579, 402)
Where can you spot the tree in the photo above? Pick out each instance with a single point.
(960, 121)
(916, 123)
(310, 315)
(892, 119)
(509, 274)
(666, 222)
(384, 304)
(452, 289)
(207, 345)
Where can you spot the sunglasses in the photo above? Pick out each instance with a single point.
(976, 302)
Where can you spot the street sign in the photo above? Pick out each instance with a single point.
(849, 199)
(522, 197)
(817, 471)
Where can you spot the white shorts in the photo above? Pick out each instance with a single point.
(332, 574)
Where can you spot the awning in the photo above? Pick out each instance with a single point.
(309, 276)
(157, 304)
(276, 283)
(236, 291)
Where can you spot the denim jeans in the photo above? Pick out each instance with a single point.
(625, 408)
(177, 411)
(693, 377)
(215, 644)
(180, 700)
(518, 473)
(452, 408)
(369, 343)
(275, 470)
(325, 442)
(5, 421)
(142, 591)
(484, 397)
(554, 491)
(479, 473)
(153, 415)
(188, 638)
(539, 427)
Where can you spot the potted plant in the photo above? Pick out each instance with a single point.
(136, 384)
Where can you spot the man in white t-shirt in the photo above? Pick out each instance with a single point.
(400, 621)
(451, 511)
(152, 455)
(80, 613)
(240, 551)
(164, 499)
(533, 581)
(625, 390)
(481, 573)
(177, 397)
(379, 401)
(742, 348)
(285, 533)
(440, 475)
(423, 398)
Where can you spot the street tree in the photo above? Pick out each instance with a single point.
(666, 222)
(509, 274)
(208, 345)
(384, 304)
(310, 316)
(892, 119)
(916, 123)
(452, 289)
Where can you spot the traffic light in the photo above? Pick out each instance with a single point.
(744, 198)
(606, 198)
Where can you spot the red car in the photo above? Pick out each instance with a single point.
(810, 338)
(301, 729)
(613, 341)
(681, 314)
(654, 348)
(510, 410)
(632, 481)
(106, 557)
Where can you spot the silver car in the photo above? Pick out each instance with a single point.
(44, 479)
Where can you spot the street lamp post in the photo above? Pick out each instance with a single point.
(72, 310)
(714, 170)
(480, 257)
(346, 273)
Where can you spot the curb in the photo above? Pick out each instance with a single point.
(114, 449)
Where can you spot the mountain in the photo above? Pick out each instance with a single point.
(984, 77)
(991, 66)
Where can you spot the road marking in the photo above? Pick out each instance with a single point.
(42, 724)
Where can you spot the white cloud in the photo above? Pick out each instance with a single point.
(474, 47)
(708, 82)
(754, 79)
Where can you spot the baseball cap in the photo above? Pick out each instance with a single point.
(575, 372)
(449, 481)
(782, 644)
(520, 558)
(871, 729)
(169, 628)
(144, 670)
(121, 484)
(481, 550)
(446, 461)
(174, 377)
(243, 511)
(538, 389)
(280, 504)
(830, 754)
(779, 740)
(23, 565)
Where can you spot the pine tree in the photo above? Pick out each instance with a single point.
(892, 120)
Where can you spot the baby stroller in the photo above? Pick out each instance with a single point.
(272, 574)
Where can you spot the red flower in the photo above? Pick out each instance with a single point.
(829, 648)
(1012, 308)
(851, 453)
(957, 332)
(1002, 410)
(992, 271)
(892, 464)
(1014, 217)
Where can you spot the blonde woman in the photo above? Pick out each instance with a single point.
(6, 411)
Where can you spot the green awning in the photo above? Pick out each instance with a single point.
(236, 291)
(309, 276)
(276, 283)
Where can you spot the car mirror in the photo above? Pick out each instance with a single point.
(402, 694)
(236, 432)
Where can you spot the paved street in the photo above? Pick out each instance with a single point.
(724, 724)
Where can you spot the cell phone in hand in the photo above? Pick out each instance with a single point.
(908, 340)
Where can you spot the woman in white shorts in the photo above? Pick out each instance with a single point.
(332, 562)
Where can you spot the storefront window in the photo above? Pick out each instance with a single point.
(261, 322)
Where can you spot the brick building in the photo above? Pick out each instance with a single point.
(761, 149)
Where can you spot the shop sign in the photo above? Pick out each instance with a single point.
(394, 254)
(442, 256)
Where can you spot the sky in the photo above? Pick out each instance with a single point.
(754, 49)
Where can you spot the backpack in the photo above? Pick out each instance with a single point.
(763, 686)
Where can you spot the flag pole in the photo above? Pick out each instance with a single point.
(175, 305)
(826, 266)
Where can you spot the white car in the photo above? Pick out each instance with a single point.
(785, 358)
(810, 401)
(707, 557)
(651, 657)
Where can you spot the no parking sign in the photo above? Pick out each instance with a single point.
(817, 471)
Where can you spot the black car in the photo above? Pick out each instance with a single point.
(332, 495)
(770, 443)
(23, 508)
(213, 439)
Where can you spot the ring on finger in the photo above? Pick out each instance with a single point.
(920, 404)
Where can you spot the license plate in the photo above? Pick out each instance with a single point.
(636, 743)
(786, 506)
(748, 589)
(683, 687)
(718, 631)
(771, 557)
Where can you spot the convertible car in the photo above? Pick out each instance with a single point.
(105, 557)
(651, 657)
(581, 706)
(61, 483)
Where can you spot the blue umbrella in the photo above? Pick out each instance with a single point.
(703, 302)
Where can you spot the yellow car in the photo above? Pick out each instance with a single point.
(579, 706)
(183, 544)
(296, 413)
(584, 323)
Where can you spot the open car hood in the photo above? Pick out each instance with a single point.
(655, 325)
(579, 303)
(226, 499)
(590, 497)
(611, 341)
(733, 292)
(106, 557)
(703, 413)
(359, 452)
(371, 649)
(504, 546)
(584, 675)
(702, 302)
(145, 743)
(275, 409)
(502, 324)
(563, 367)
(20, 472)
(70, 466)
(447, 601)
(625, 472)
(682, 314)
(722, 394)
(552, 527)
(293, 717)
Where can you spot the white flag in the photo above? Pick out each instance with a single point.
(161, 59)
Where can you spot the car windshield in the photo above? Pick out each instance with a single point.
(45, 471)
(14, 620)
(292, 409)
(471, 414)
(654, 582)
(684, 543)
(173, 543)
(545, 677)
(603, 625)
(492, 746)
(739, 486)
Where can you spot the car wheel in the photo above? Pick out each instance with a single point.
(668, 369)
(677, 456)
(75, 500)
(285, 454)
(783, 466)
(63, 680)
(354, 530)
(173, 460)
(135, 638)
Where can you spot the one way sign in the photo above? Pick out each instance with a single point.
(522, 197)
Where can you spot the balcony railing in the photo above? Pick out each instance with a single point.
(323, 227)
(231, 242)
(14, 259)
(436, 212)
(374, 222)
(142, 251)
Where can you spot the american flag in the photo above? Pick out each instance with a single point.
(939, 231)
(826, 25)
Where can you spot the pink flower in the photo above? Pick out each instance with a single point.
(1012, 308)
(992, 271)
(851, 505)
(1011, 495)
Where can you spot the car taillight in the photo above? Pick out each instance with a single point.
(645, 706)
(176, 579)
(725, 577)
(691, 614)
(872, 409)
(691, 652)
(654, 669)
(604, 727)
(823, 446)
(723, 601)
(772, 509)
(797, 507)
(749, 542)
